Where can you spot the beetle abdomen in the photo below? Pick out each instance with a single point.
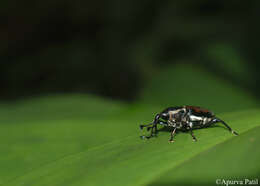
(199, 121)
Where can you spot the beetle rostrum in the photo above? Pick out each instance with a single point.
(184, 118)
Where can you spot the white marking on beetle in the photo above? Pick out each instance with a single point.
(206, 120)
(174, 112)
(195, 118)
(171, 123)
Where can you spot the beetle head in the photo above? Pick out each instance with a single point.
(164, 116)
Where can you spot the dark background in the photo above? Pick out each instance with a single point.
(110, 48)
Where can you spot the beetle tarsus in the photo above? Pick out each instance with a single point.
(142, 137)
(235, 133)
(193, 137)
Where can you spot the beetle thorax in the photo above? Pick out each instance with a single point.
(176, 115)
(176, 118)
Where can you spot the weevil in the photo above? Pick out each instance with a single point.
(184, 118)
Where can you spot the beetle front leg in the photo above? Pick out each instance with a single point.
(149, 127)
(172, 134)
(142, 126)
(155, 126)
(152, 131)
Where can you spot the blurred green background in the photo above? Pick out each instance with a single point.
(78, 77)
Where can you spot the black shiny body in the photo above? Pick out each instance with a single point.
(185, 118)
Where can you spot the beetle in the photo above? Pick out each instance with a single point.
(184, 118)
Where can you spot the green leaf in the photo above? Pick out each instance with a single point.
(40, 130)
(77, 153)
(234, 159)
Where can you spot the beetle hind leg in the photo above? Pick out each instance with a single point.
(216, 120)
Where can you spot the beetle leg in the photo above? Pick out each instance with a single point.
(148, 128)
(172, 134)
(152, 132)
(142, 126)
(191, 133)
(215, 120)
(155, 129)
(152, 126)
